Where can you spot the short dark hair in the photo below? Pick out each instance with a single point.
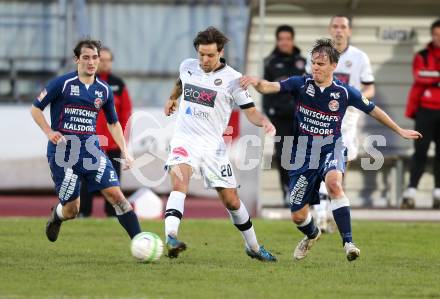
(86, 43)
(435, 24)
(209, 36)
(326, 46)
(285, 28)
(349, 18)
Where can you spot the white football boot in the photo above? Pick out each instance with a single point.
(351, 251)
(304, 246)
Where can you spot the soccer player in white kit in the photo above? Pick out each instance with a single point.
(354, 69)
(209, 89)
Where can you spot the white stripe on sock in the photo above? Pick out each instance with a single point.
(307, 221)
(59, 211)
(337, 203)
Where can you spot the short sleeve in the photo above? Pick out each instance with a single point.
(292, 84)
(241, 96)
(367, 76)
(357, 100)
(51, 92)
(109, 110)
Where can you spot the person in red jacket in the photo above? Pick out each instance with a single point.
(424, 107)
(123, 107)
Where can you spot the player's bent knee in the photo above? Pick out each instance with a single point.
(114, 196)
(70, 211)
(334, 188)
(180, 186)
(299, 218)
(232, 204)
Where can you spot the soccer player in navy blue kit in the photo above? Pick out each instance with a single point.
(73, 150)
(318, 153)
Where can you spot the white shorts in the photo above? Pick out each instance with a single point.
(213, 165)
(350, 133)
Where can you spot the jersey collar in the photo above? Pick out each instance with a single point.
(94, 80)
(221, 67)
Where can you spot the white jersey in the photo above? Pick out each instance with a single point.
(207, 102)
(354, 68)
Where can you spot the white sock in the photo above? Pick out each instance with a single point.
(337, 203)
(59, 211)
(242, 221)
(307, 221)
(174, 212)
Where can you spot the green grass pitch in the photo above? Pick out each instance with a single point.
(91, 259)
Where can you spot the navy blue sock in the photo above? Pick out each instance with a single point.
(310, 230)
(130, 222)
(343, 220)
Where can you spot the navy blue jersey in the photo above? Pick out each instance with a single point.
(74, 107)
(74, 110)
(319, 112)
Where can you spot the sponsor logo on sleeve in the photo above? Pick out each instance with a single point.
(42, 95)
(365, 100)
(246, 93)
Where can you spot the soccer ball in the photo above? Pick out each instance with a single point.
(146, 247)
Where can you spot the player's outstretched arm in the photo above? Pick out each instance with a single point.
(258, 119)
(261, 85)
(38, 116)
(117, 134)
(171, 104)
(382, 117)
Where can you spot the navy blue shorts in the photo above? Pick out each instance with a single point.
(97, 171)
(304, 182)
